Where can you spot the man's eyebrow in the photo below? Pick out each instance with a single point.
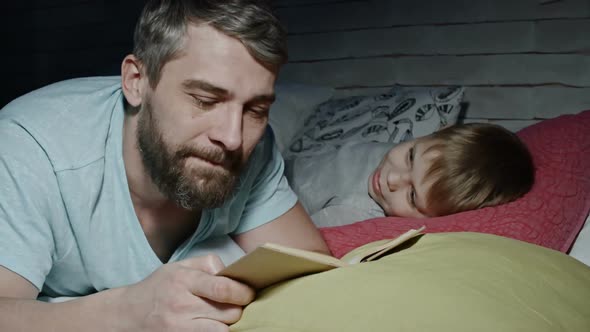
(206, 86)
(270, 98)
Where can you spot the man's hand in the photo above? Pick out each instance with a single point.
(185, 296)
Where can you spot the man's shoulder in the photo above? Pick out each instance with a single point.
(59, 95)
(70, 120)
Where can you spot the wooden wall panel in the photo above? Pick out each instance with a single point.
(421, 40)
(344, 73)
(519, 60)
(519, 69)
(462, 39)
(387, 13)
(563, 35)
(550, 102)
(525, 103)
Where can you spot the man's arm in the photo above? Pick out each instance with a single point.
(179, 296)
(294, 229)
(20, 311)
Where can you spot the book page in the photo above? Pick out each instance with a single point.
(373, 251)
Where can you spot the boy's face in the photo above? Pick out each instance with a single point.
(398, 184)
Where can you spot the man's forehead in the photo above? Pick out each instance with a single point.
(212, 61)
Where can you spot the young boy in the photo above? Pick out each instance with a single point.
(459, 168)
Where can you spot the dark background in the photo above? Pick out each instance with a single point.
(45, 41)
(353, 45)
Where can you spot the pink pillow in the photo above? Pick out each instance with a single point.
(550, 215)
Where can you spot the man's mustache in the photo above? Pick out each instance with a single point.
(228, 159)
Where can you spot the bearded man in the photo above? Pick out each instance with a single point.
(108, 184)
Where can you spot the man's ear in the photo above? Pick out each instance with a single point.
(133, 80)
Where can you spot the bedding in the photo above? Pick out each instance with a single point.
(442, 282)
(581, 247)
(333, 192)
(551, 214)
(396, 116)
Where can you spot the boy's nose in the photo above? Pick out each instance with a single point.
(397, 180)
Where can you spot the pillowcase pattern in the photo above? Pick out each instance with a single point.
(399, 115)
(550, 215)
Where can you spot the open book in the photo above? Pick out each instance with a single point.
(271, 263)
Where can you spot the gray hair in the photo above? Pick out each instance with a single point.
(161, 30)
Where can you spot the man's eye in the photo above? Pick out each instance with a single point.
(258, 113)
(413, 197)
(411, 154)
(204, 104)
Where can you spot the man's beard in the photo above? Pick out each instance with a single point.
(193, 188)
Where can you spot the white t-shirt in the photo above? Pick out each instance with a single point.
(333, 186)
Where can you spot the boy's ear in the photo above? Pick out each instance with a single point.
(133, 80)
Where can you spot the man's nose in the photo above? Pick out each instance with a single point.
(397, 180)
(227, 129)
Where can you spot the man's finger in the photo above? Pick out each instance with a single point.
(210, 263)
(202, 282)
(222, 312)
(208, 325)
(220, 289)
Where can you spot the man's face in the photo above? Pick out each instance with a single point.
(198, 127)
(398, 184)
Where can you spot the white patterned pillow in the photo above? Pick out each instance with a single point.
(399, 115)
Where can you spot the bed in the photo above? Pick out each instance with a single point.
(523, 65)
(520, 266)
(512, 64)
(307, 123)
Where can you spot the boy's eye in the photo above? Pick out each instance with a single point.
(413, 197)
(410, 157)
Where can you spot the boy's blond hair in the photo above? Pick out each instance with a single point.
(479, 165)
